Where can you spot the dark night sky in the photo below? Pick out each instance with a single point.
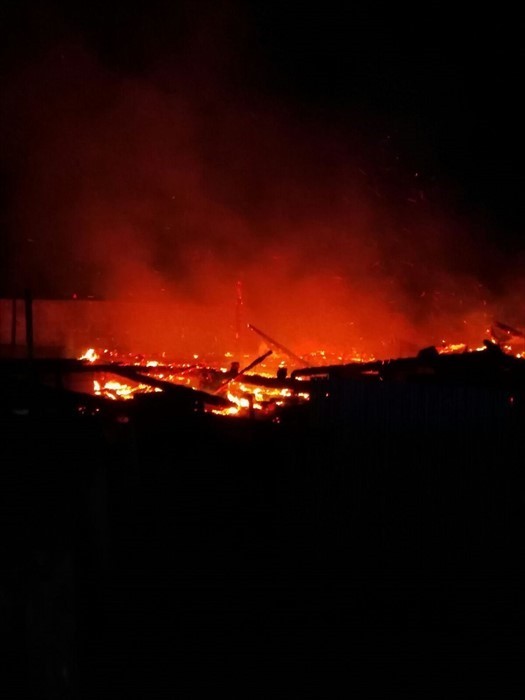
(445, 82)
(408, 102)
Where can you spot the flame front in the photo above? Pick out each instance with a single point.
(216, 376)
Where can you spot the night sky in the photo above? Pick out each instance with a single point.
(338, 156)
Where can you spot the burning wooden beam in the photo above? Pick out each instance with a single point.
(253, 364)
(135, 374)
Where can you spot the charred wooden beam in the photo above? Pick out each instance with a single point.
(293, 385)
(279, 347)
(135, 374)
(243, 371)
(491, 365)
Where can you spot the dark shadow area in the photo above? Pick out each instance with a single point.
(366, 526)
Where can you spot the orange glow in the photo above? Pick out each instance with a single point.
(113, 389)
(90, 355)
(246, 398)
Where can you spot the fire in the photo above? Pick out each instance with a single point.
(90, 355)
(260, 388)
(210, 375)
(113, 389)
(451, 348)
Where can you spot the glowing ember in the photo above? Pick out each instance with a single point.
(90, 355)
(248, 393)
(455, 348)
(113, 389)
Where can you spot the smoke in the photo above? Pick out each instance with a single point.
(174, 183)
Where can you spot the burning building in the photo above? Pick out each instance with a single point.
(263, 397)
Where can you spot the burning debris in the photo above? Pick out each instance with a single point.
(206, 388)
(212, 386)
(510, 339)
(232, 391)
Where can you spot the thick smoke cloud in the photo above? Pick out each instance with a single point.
(183, 184)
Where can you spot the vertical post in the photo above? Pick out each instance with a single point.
(13, 324)
(29, 323)
(251, 410)
(238, 319)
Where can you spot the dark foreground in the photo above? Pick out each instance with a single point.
(177, 540)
